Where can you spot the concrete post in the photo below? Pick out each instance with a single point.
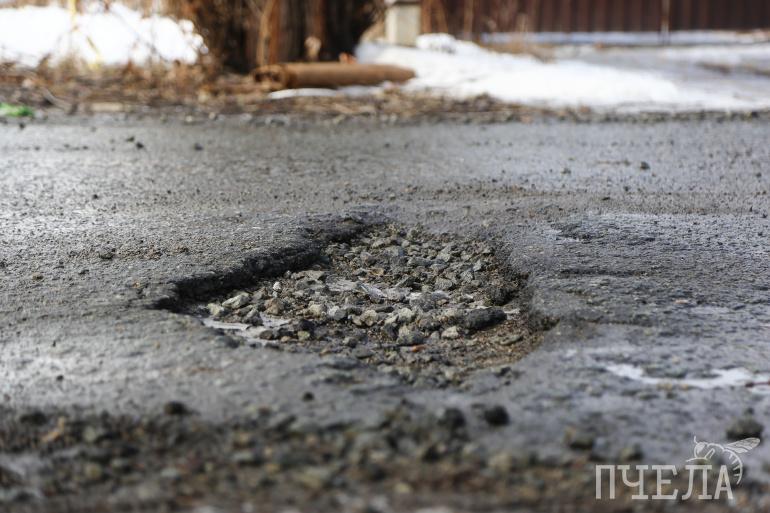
(402, 22)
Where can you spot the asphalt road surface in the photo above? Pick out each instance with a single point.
(641, 250)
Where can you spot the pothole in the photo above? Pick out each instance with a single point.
(403, 300)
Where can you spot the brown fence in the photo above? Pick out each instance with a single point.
(468, 17)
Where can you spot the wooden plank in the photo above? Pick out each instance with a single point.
(653, 11)
(739, 20)
(721, 18)
(636, 21)
(686, 17)
(599, 16)
(565, 16)
(546, 21)
(617, 15)
(753, 13)
(675, 14)
(582, 18)
(533, 14)
(584, 15)
(702, 15)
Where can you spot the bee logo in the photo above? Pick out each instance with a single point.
(707, 450)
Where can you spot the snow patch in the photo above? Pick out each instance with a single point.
(100, 36)
(462, 69)
(720, 378)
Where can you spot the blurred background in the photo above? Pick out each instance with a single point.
(231, 54)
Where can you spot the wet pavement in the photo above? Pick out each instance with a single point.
(640, 253)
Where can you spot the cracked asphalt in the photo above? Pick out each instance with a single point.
(645, 249)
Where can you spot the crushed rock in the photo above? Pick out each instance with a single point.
(404, 300)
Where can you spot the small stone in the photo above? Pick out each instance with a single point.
(247, 457)
(428, 323)
(450, 333)
(362, 352)
(274, 306)
(424, 302)
(410, 337)
(405, 315)
(343, 363)
(483, 318)
(263, 333)
(316, 310)
(252, 317)
(395, 295)
(369, 318)
(93, 471)
(106, 254)
(315, 275)
(630, 453)
(579, 439)
(466, 277)
(215, 310)
(35, 417)
(600, 450)
(513, 339)
(496, 415)
(175, 408)
(499, 294)
(120, 465)
(393, 252)
(644, 166)
(367, 258)
(242, 439)
(238, 301)
(452, 419)
(277, 286)
(336, 313)
(170, 474)
(430, 452)
(314, 478)
(444, 284)
(380, 243)
(391, 320)
(390, 330)
(303, 335)
(501, 462)
(93, 434)
(744, 427)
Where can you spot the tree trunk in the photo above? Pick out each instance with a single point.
(241, 34)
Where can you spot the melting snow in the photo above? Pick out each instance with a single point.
(462, 69)
(719, 378)
(99, 36)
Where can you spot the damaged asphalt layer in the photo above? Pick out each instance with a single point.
(645, 247)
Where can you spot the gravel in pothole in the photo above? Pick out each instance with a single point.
(394, 298)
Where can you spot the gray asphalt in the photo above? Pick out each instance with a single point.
(649, 280)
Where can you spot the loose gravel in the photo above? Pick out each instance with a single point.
(421, 305)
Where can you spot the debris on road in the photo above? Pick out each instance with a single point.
(330, 75)
(406, 299)
(744, 427)
(15, 111)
